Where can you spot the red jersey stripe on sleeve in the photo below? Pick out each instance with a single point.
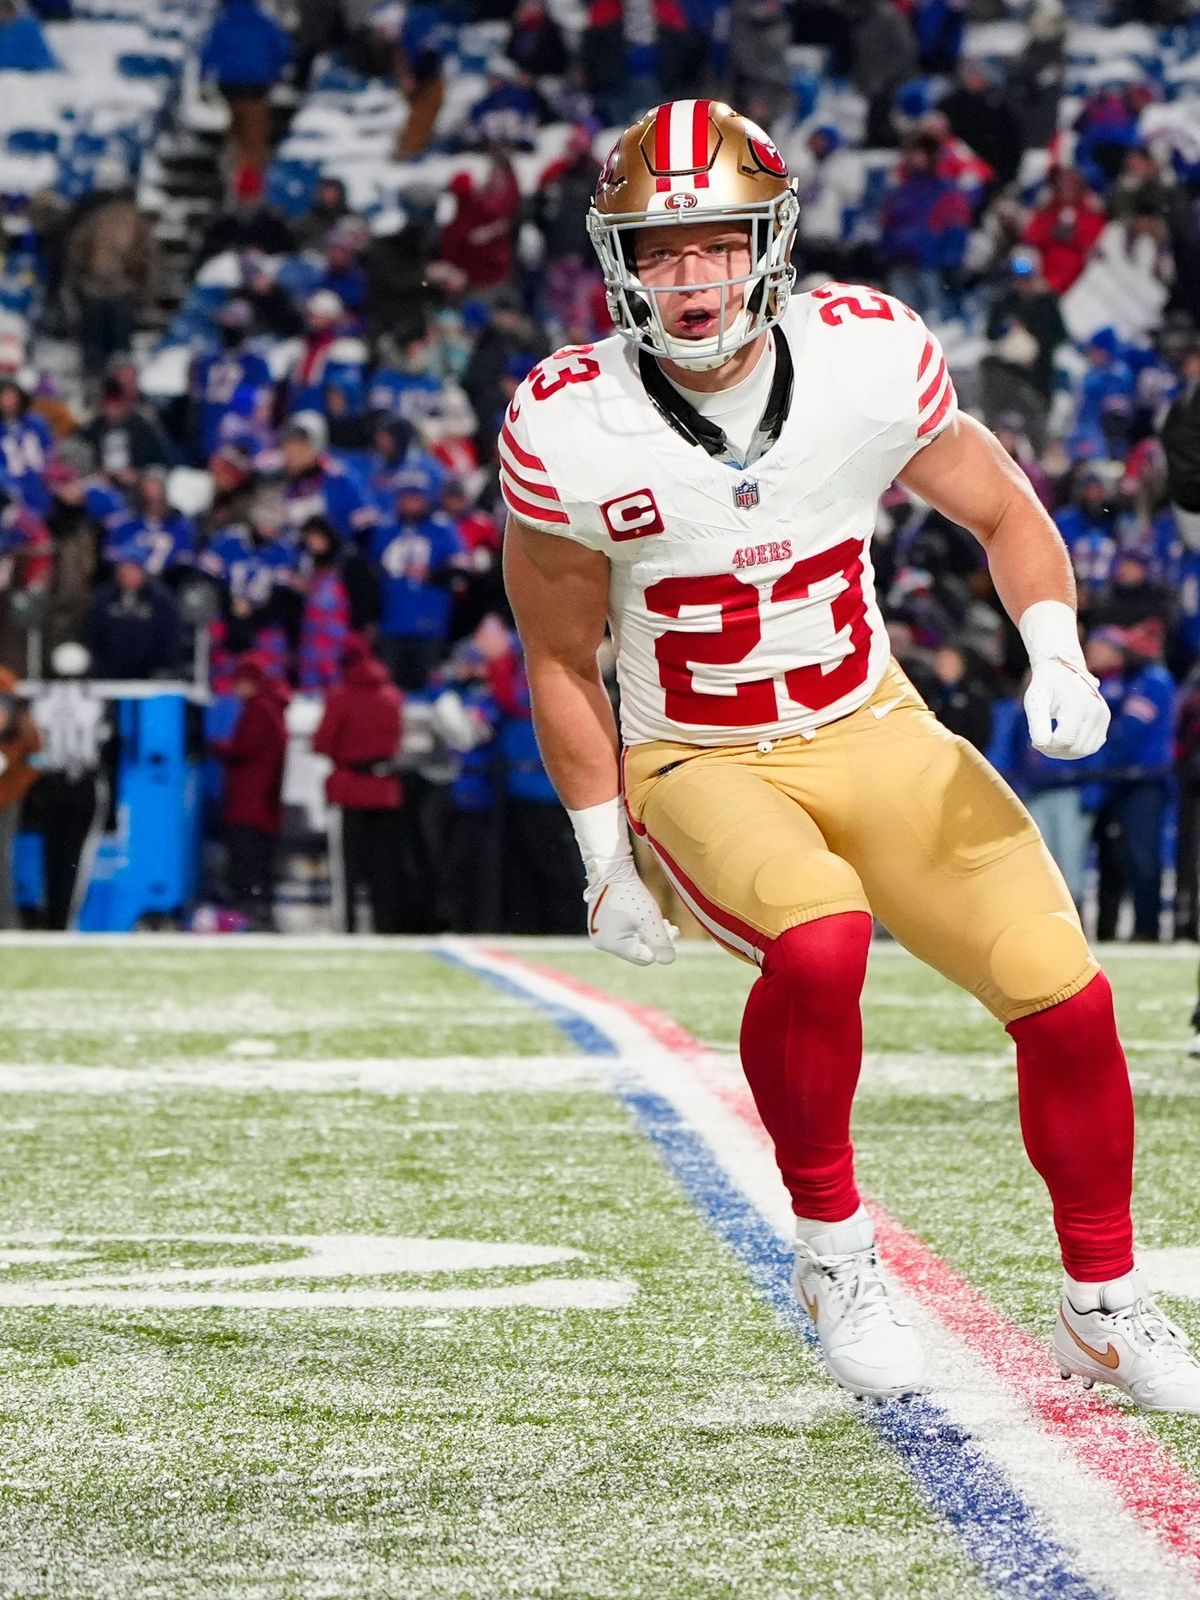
(944, 405)
(529, 491)
(546, 489)
(934, 388)
(525, 457)
(926, 357)
(534, 478)
(529, 511)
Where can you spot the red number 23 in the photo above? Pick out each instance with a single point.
(756, 700)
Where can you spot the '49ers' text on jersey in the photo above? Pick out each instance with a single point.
(742, 600)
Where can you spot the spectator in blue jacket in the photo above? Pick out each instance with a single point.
(232, 381)
(543, 891)
(416, 554)
(26, 445)
(509, 114)
(23, 46)
(1135, 768)
(1089, 530)
(163, 536)
(1061, 799)
(1108, 377)
(247, 53)
(317, 485)
(925, 220)
(466, 714)
(133, 627)
(396, 450)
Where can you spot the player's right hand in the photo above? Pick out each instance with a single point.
(624, 919)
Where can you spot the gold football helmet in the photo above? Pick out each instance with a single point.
(695, 161)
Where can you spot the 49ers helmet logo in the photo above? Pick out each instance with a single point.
(681, 200)
(764, 152)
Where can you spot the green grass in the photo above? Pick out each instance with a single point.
(947, 1159)
(685, 1446)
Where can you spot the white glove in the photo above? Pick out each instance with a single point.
(623, 916)
(624, 919)
(1067, 714)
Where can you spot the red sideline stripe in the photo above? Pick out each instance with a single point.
(662, 147)
(933, 387)
(700, 141)
(1156, 1489)
(926, 358)
(932, 422)
(531, 512)
(547, 488)
(723, 919)
(525, 457)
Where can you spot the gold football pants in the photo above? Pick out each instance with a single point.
(882, 811)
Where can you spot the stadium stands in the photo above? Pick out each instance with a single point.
(312, 358)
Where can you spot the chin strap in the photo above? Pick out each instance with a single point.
(689, 424)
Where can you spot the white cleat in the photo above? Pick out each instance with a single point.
(867, 1345)
(1136, 1348)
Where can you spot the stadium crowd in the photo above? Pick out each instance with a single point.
(1027, 176)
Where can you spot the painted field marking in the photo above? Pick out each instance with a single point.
(1151, 1492)
(305, 1259)
(397, 1075)
(1008, 1534)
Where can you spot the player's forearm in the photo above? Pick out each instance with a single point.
(1032, 573)
(1028, 560)
(576, 732)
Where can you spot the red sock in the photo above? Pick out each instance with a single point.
(1077, 1122)
(802, 1050)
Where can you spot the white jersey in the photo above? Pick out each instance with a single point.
(742, 600)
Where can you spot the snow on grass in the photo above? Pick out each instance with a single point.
(672, 1441)
(681, 1445)
(469, 1074)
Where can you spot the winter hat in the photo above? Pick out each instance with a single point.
(310, 425)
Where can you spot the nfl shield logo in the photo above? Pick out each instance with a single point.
(745, 494)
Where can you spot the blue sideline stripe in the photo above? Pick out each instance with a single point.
(590, 1039)
(1002, 1533)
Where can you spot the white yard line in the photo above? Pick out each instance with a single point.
(540, 1294)
(391, 1076)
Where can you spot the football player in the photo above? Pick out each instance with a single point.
(707, 480)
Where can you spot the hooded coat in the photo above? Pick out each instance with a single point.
(360, 733)
(254, 757)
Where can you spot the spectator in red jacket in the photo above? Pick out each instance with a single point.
(360, 733)
(253, 811)
(1064, 228)
(479, 238)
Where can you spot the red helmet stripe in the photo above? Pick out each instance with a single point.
(700, 140)
(662, 147)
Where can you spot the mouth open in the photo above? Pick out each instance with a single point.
(697, 324)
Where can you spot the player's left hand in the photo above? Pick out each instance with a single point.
(1068, 716)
